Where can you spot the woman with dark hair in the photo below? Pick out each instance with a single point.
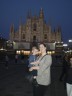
(43, 78)
(69, 78)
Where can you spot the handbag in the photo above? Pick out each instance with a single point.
(30, 78)
(35, 83)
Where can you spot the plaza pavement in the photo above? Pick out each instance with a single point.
(13, 80)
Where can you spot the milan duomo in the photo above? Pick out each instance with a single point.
(34, 31)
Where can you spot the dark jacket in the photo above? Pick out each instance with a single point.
(69, 75)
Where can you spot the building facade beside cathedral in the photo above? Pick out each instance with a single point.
(34, 31)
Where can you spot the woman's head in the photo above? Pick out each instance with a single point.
(42, 47)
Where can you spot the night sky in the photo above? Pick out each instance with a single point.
(56, 12)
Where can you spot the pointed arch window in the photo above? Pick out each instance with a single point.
(23, 37)
(34, 27)
(45, 36)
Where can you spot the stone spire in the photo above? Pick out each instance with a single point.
(11, 32)
(41, 13)
(58, 29)
(12, 28)
(29, 15)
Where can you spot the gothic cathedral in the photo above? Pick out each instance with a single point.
(33, 32)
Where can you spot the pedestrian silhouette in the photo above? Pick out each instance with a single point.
(6, 61)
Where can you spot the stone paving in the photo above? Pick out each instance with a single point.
(13, 81)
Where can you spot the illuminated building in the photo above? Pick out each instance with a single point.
(34, 31)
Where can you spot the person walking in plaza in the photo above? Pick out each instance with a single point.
(6, 61)
(69, 78)
(16, 58)
(64, 70)
(64, 67)
(43, 78)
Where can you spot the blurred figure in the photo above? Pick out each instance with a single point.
(22, 58)
(69, 78)
(64, 68)
(6, 61)
(16, 58)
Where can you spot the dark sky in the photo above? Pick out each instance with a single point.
(57, 12)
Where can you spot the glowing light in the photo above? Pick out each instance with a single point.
(65, 45)
(18, 52)
(70, 40)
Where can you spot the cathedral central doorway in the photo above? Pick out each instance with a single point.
(34, 43)
(34, 38)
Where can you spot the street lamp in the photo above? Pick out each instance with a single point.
(70, 40)
(65, 45)
(70, 44)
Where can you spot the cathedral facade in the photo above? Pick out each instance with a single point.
(34, 31)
